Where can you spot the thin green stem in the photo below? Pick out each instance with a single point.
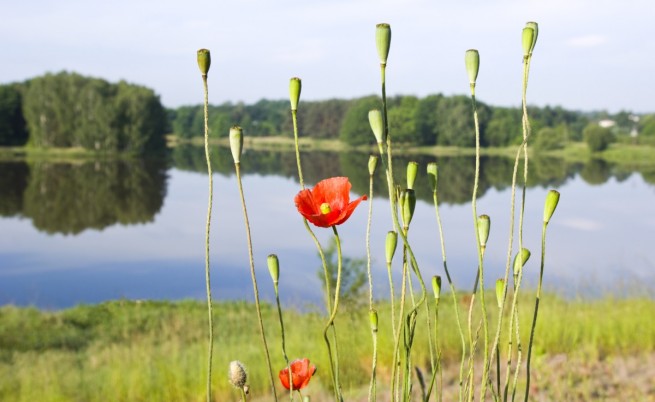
(453, 292)
(210, 346)
(536, 310)
(294, 118)
(284, 347)
(334, 363)
(371, 391)
(243, 394)
(237, 168)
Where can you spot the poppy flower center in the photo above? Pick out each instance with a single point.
(325, 208)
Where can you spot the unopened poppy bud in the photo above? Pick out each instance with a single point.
(204, 61)
(390, 245)
(552, 198)
(535, 27)
(412, 170)
(383, 41)
(236, 143)
(373, 318)
(472, 61)
(273, 267)
(376, 121)
(237, 374)
(295, 86)
(484, 224)
(436, 287)
(500, 290)
(407, 205)
(432, 175)
(528, 39)
(372, 164)
(520, 259)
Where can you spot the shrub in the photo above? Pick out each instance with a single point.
(597, 138)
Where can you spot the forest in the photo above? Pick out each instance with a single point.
(69, 110)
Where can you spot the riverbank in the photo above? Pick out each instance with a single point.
(131, 351)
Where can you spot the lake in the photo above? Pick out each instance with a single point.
(89, 231)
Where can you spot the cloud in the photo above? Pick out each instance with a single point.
(582, 224)
(587, 41)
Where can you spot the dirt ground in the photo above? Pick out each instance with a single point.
(555, 378)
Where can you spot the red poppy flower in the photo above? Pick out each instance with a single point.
(301, 372)
(328, 203)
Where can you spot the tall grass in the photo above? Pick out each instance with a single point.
(153, 351)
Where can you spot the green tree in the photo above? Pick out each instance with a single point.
(12, 123)
(356, 129)
(597, 138)
(548, 138)
(402, 120)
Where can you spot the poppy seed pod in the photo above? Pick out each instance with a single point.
(528, 39)
(390, 245)
(383, 41)
(407, 205)
(520, 259)
(500, 290)
(376, 121)
(204, 61)
(295, 85)
(373, 318)
(535, 27)
(484, 224)
(236, 143)
(436, 287)
(552, 198)
(412, 170)
(472, 61)
(432, 175)
(372, 164)
(273, 267)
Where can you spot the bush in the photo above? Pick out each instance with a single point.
(548, 139)
(597, 138)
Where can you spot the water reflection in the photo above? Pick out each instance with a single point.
(68, 198)
(602, 232)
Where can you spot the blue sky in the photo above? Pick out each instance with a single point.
(591, 54)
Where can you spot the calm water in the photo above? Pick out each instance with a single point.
(86, 232)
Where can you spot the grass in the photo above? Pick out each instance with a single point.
(155, 351)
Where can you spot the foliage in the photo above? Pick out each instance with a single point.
(355, 129)
(597, 138)
(548, 139)
(12, 122)
(69, 110)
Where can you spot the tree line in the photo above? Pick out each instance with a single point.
(432, 120)
(70, 110)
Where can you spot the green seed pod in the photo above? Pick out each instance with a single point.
(295, 85)
(534, 26)
(432, 175)
(484, 223)
(376, 121)
(436, 287)
(412, 170)
(273, 267)
(390, 245)
(520, 259)
(236, 143)
(472, 61)
(552, 198)
(407, 206)
(500, 290)
(204, 61)
(372, 164)
(528, 39)
(383, 41)
(373, 318)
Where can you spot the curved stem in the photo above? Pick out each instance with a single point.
(334, 364)
(371, 391)
(237, 167)
(210, 346)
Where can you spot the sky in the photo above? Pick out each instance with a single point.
(590, 55)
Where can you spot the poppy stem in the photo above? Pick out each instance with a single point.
(210, 324)
(334, 359)
(237, 168)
